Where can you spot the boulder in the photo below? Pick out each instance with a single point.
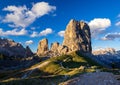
(42, 47)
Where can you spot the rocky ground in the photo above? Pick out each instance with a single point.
(97, 78)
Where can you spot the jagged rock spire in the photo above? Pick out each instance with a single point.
(77, 36)
(43, 47)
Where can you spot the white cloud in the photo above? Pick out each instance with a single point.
(98, 25)
(29, 42)
(14, 32)
(111, 36)
(42, 8)
(34, 34)
(42, 33)
(61, 33)
(22, 16)
(46, 32)
(118, 23)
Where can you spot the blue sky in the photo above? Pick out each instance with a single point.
(28, 21)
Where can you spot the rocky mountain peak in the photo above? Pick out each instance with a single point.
(77, 36)
(54, 47)
(28, 51)
(10, 48)
(43, 47)
(104, 51)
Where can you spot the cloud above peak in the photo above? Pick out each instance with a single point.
(14, 32)
(21, 16)
(45, 32)
(111, 36)
(29, 42)
(61, 33)
(42, 8)
(98, 25)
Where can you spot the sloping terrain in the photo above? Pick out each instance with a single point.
(100, 78)
(54, 70)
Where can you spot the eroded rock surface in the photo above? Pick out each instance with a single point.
(77, 36)
(43, 47)
(54, 47)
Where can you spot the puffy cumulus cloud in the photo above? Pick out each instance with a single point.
(98, 25)
(61, 33)
(111, 36)
(42, 33)
(22, 16)
(29, 42)
(117, 24)
(14, 32)
(46, 32)
(42, 8)
(34, 34)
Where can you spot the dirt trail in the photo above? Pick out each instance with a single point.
(30, 70)
(39, 66)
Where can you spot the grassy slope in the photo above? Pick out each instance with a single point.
(56, 70)
(70, 63)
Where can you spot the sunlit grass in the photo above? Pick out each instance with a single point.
(56, 69)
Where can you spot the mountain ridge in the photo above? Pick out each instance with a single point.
(77, 37)
(63, 62)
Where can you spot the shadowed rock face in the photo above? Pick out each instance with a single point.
(28, 51)
(43, 47)
(10, 48)
(77, 36)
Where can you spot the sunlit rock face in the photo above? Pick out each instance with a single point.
(54, 47)
(104, 51)
(42, 47)
(77, 36)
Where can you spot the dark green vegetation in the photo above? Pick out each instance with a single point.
(52, 71)
(4, 57)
